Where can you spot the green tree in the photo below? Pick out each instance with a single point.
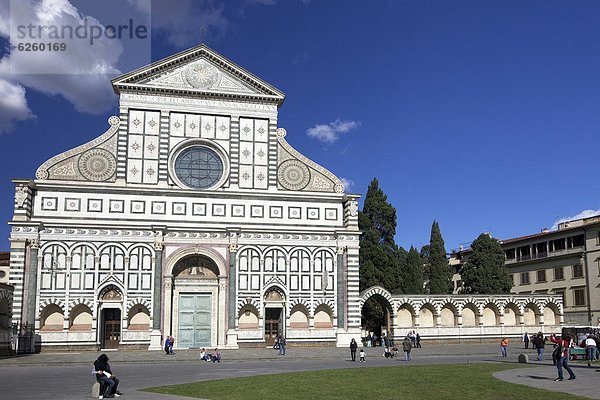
(379, 255)
(412, 273)
(484, 271)
(439, 274)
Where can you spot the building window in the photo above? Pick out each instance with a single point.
(577, 271)
(557, 244)
(559, 274)
(199, 167)
(541, 275)
(579, 297)
(510, 254)
(525, 278)
(575, 241)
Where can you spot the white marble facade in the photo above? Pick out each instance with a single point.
(191, 215)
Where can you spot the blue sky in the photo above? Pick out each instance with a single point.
(482, 115)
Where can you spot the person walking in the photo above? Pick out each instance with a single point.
(171, 343)
(504, 347)
(526, 340)
(167, 344)
(406, 347)
(353, 347)
(565, 343)
(539, 344)
(369, 338)
(281, 342)
(590, 349)
(418, 339)
(362, 355)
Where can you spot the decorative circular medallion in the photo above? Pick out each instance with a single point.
(97, 165)
(293, 175)
(199, 167)
(201, 75)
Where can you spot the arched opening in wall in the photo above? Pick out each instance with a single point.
(299, 317)
(193, 293)
(275, 306)
(52, 318)
(376, 312)
(491, 315)
(111, 304)
(80, 319)
(138, 318)
(531, 314)
(449, 315)
(511, 314)
(248, 317)
(551, 314)
(427, 316)
(4, 314)
(406, 316)
(323, 317)
(470, 315)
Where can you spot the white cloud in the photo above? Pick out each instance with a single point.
(81, 74)
(330, 132)
(583, 214)
(13, 105)
(348, 184)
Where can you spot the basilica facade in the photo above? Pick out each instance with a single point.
(190, 216)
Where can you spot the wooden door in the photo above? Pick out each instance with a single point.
(272, 325)
(112, 328)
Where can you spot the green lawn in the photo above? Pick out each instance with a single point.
(435, 382)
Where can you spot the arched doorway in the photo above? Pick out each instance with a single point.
(195, 302)
(274, 301)
(376, 316)
(111, 304)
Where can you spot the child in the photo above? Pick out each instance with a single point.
(361, 356)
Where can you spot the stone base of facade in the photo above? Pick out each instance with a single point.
(232, 342)
(155, 340)
(344, 337)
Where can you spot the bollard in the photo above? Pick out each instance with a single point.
(523, 358)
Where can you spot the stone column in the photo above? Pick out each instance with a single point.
(232, 298)
(341, 289)
(32, 272)
(156, 334)
(221, 323)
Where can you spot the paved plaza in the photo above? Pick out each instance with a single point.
(67, 375)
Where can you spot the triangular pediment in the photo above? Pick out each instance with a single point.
(198, 71)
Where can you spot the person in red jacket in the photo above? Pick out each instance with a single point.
(565, 343)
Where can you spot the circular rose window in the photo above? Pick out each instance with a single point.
(198, 167)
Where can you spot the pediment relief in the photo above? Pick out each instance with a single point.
(201, 75)
(199, 70)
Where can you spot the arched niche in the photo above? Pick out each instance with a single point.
(427, 316)
(51, 318)
(81, 319)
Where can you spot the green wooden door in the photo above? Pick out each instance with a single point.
(194, 320)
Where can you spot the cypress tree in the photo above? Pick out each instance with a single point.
(412, 276)
(484, 271)
(379, 255)
(438, 269)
